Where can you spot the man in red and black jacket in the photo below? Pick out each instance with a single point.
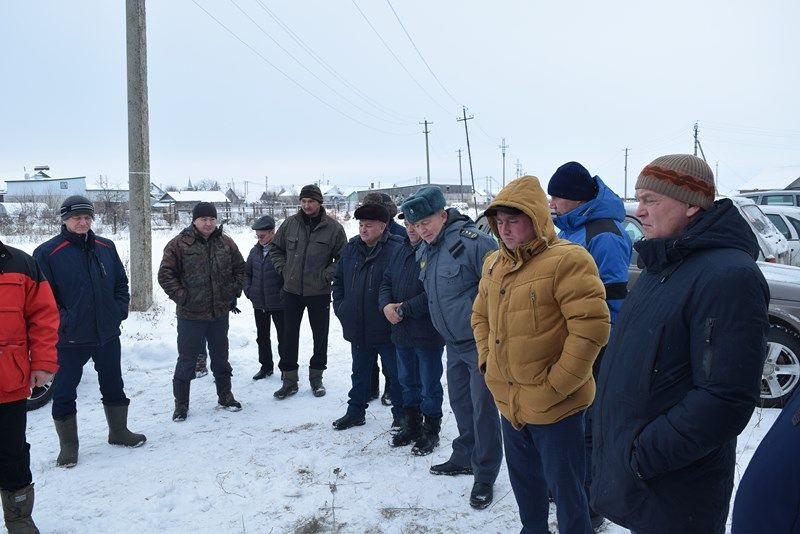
(28, 335)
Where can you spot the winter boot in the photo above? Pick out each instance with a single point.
(17, 509)
(224, 394)
(67, 430)
(180, 389)
(411, 431)
(118, 433)
(289, 386)
(262, 373)
(430, 437)
(386, 398)
(315, 378)
(200, 368)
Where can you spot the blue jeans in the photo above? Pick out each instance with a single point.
(71, 360)
(192, 337)
(419, 371)
(363, 361)
(548, 457)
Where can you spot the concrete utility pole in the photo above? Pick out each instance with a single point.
(469, 156)
(519, 169)
(626, 174)
(141, 261)
(503, 147)
(427, 154)
(460, 175)
(697, 142)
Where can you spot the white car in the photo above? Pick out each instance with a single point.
(787, 220)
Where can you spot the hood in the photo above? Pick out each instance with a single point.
(722, 226)
(606, 205)
(526, 194)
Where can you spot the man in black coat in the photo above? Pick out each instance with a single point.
(681, 374)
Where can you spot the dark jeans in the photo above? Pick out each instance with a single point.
(363, 361)
(15, 458)
(376, 377)
(192, 336)
(319, 317)
(106, 360)
(419, 372)
(548, 457)
(263, 338)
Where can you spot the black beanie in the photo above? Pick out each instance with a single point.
(312, 192)
(76, 205)
(372, 212)
(204, 209)
(573, 182)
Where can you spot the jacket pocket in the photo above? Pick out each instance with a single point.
(14, 368)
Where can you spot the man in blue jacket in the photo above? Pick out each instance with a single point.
(682, 372)
(91, 289)
(590, 214)
(359, 273)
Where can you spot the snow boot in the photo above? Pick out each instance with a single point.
(67, 430)
(224, 394)
(429, 439)
(411, 431)
(200, 368)
(262, 373)
(315, 378)
(348, 421)
(118, 433)
(289, 386)
(17, 509)
(386, 398)
(180, 389)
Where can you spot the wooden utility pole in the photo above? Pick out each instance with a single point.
(469, 156)
(427, 154)
(503, 147)
(626, 175)
(460, 175)
(141, 262)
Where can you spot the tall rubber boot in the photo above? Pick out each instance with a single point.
(118, 433)
(67, 430)
(289, 386)
(180, 388)
(315, 379)
(17, 509)
(224, 394)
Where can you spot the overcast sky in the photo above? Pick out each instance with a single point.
(559, 81)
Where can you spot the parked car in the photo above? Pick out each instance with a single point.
(774, 247)
(787, 220)
(776, 197)
(781, 374)
(40, 395)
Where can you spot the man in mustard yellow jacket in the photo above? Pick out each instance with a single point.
(540, 319)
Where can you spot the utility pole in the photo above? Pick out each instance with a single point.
(460, 175)
(503, 147)
(716, 176)
(139, 158)
(469, 156)
(427, 154)
(626, 174)
(697, 142)
(519, 169)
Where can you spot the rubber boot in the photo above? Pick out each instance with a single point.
(224, 394)
(67, 430)
(430, 437)
(315, 378)
(17, 509)
(201, 369)
(118, 433)
(181, 388)
(289, 386)
(411, 431)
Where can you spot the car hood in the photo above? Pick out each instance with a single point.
(784, 280)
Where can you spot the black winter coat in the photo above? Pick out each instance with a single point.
(680, 379)
(401, 283)
(262, 283)
(356, 284)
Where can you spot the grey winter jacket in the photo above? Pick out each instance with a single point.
(307, 258)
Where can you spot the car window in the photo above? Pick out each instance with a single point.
(795, 223)
(780, 224)
(634, 231)
(758, 221)
(778, 200)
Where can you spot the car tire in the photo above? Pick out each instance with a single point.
(782, 367)
(40, 396)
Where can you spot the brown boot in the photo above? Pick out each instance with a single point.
(17, 509)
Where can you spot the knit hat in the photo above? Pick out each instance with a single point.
(311, 191)
(384, 199)
(424, 203)
(573, 182)
(372, 212)
(204, 209)
(680, 176)
(76, 205)
(264, 223)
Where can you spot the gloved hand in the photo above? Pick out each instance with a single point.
(234, 309)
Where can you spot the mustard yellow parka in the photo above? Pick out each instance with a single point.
(540, 318)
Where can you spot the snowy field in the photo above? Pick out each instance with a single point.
(276, 466)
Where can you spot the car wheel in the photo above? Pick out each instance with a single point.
(40, 396)
(782, 367)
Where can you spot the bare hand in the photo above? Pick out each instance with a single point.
(40, 378)
(390, 311)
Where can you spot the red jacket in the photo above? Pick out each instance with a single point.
(28, 324)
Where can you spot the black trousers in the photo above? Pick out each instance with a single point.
(263, 338)
(15, 458)
(319, 317)
(192, 336)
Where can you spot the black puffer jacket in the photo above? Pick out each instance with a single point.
(680, 379)
(262, 283)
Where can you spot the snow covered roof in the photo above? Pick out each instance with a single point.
(772, 178)
(215, 197)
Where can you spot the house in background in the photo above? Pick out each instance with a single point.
(179, 204)
(41, 187)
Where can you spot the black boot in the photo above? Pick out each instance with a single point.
(386, 398)
(411, 431)
(289, 386)
(262, 373)
(17, 509)
(226, 400)
(118, 433)
(180, 389)
(67, 430)
(348, 421)
(315, 378)
(430, 437)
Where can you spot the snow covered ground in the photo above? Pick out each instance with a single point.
(276, 466)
